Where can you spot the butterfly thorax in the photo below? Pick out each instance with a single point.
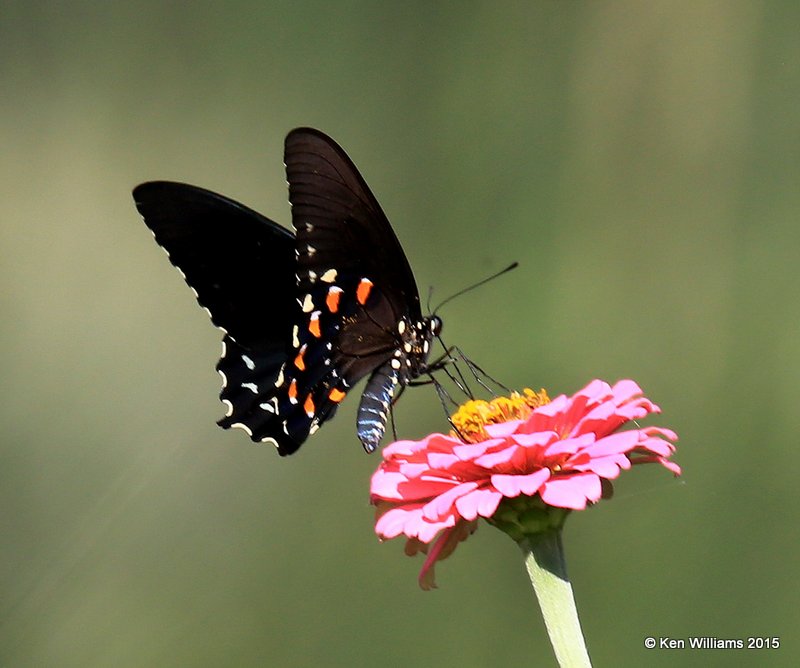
(408, 361)
(411, 356)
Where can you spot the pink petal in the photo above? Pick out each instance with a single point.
(666, 433)
(403, 448)
(440, 460)
(441, 505)
(426, 579)
(411, 469)
(622, 441)
(672, 466)
(502, 429)
(569, 446)
(536, 439)
(494, 460)
(409, 521)
(481, 502)
(606, 467)
(395, 521)
(428, 530)
(422, 489)
(556, 406)
(443, 548)
(571, 491)
(625, 389)
(384, 484)
(658, 446)
(514, 485)
(469, 451)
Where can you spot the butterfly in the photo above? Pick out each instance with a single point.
(305, 314)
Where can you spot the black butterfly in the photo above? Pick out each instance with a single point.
(305, 315)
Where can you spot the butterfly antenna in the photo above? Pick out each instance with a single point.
(430, 295)
(513, 265)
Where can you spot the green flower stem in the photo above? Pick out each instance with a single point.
(544, 559)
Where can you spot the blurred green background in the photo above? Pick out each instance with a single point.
(641, 162)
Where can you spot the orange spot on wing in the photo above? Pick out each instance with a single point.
(332, 300)
(293, 390)
(309, 407)
(299, 362)
(363, 290)
(313, 326)
(336, 395)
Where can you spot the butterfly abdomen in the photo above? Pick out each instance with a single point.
(376, 401)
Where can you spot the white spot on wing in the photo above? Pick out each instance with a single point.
(250, 364)
(329, 276)
(251, 386)
(308, 304)
(243, 427)
(229, 407)
(269, 439)
(295, 340)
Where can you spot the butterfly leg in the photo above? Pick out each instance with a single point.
(391, 411)
(391, 419)
(446, 360)
(444, 396)
(477, 372)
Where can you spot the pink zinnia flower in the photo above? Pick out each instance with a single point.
(523, 449)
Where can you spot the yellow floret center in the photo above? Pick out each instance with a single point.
(472, 417)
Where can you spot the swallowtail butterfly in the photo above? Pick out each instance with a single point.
(306, 314)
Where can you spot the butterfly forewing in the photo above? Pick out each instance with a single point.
(338, 221)
(239, 263)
